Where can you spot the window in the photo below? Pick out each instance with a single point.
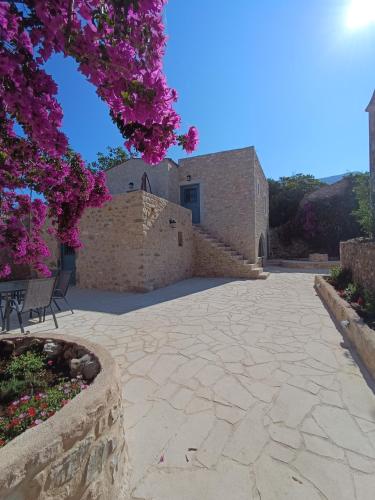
(258, 188)
(180, 239)
(265, 205)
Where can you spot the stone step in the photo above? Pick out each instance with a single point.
(251, 269)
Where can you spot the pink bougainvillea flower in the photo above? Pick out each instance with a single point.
(119, 48)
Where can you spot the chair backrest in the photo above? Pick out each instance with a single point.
(62, 282)
(38, 293)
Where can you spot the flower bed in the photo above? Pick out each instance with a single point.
(34, 385)
(355, 330)
(64, 430)
(362, 300)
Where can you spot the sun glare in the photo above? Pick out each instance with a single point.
(360, 13)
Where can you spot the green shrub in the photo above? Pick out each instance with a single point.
(369, 305)
(24, 373)
(363, 212)
(340, 277)
(352, 292)
(9, 389)
(26, 364)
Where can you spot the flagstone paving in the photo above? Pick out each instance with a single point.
(235, 390)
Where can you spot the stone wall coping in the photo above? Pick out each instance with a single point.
(303, 263)
(358, 333)
(139, 193)
(217, 153)
(32, 450)
(362, 241)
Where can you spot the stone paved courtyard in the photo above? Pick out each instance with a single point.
(235, 390)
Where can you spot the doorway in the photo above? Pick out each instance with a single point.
(190, 198)
(68, 261)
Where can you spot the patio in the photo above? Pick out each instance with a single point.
(234, 390)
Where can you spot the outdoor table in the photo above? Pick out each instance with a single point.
(7, 291)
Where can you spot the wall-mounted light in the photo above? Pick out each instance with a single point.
(131, 186)
(188, 178)
(172, 223)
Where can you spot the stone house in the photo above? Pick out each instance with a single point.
(205, 216)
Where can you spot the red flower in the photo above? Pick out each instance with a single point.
(360, 301)
(31, 411)
(15, 421)
(2, 442)
(50, 362)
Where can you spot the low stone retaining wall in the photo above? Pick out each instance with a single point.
(359, 334)
(80, 453)
(359, 256)
(303, 264)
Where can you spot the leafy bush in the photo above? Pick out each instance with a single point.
(24, 373)
(369, 306)
(340, 277)
(26, 364)
(286, 195)
(352, 292)
(363, 213)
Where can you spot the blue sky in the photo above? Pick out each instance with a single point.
(287, 76)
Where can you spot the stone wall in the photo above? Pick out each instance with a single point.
(130, 245)
(80, 453)
(359, 256)
(166, 258)
(227, 188)
(163, 178)
(261, 196)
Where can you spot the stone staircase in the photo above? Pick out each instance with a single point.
(216, 259)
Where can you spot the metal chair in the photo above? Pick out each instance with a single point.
(61, 289)
(37, 297)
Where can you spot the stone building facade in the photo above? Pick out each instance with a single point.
(230, 189)
(130, 244)
(371, 115)
(233, 197)
(206, 216)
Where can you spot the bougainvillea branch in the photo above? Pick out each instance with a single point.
(119, 46)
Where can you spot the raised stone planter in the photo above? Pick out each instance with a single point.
(359, 334)
(80, 452)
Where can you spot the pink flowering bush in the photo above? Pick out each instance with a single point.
(119, 48)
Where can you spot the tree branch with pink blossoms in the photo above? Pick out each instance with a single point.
(119, 46)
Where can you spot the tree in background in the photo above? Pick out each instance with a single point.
(119, 47)
(363, 213)
(286, 194)
(115, 156)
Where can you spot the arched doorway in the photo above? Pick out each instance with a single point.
(262, 247)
